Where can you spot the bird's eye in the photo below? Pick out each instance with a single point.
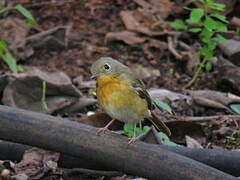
(106, 67)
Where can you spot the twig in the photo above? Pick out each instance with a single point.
(184, 46)
(38, 36)
(224, 160)
(5, 10)
(110, 150)
(172, 49)
(50, 3)
(43, 99)
(203, 118)
(67, 33)
(78, 171)
(196, 74)
(235, 21)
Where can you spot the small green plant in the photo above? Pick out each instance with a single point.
(43, 99)
(128, 130)
(8, 58)
(22, 10)
(165, 140)
(5, 55)
(235, 108)
(162, 105)
(209, 24)
(231, 140)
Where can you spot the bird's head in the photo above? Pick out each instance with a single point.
(107, 66)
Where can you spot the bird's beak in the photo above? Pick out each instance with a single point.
(94, 76)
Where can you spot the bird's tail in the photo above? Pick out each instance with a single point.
(160, 125)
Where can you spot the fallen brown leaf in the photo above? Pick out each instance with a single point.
(129, 38)
(35, 163)
(100, 119)
(14, 31)
(149, 17)
(181, 129)
(214, 99)
(145, 72)
(192, 143)
(26, 91)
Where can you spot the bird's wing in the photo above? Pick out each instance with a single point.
(139, 87)
(142, 92)
(159, 124)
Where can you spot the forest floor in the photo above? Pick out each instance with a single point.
(71, 35)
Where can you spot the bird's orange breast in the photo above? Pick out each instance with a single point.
(119, 99)
(110, 90)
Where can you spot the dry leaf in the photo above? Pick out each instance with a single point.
(100, 119)
(192, 143)
(129, 38)
(180, 129)
(214, 99)
(14, 31)
(35, 163)
(26, 91)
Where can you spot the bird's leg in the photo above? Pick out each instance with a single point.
(133, 139)
(140, 124)
(104, 129)
(134, 130)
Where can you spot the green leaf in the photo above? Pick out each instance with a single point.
(128, 127)
(30, 19)
(208, 67)
(220, 17)
(146, 128)
(206, 52)
(120, 132)
(221, 27)
(163, 136)
(166, 140)
(162, 105)
(7, 57)
(179, 24)
(195, 16)
(10, 60)
(217, 6)
(210, 4)
(238, 30)
(195, 30)
(20, 68)
(138, 132)
(195, 1)
(3, 45)
(206, 35)
(235, 108)
(211, 45)
(220, 38)
(209, 23)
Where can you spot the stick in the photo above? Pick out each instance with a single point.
(202, 118)
(172, 49)
(227, 161)
(111, 150)
(78, 171)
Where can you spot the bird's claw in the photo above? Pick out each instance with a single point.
(102, 130)
(132, 140)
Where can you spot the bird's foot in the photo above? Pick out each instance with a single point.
(132, 140)
(102, 130)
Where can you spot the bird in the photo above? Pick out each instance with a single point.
(122, 95)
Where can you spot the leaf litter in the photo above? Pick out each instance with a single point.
(136, 32)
